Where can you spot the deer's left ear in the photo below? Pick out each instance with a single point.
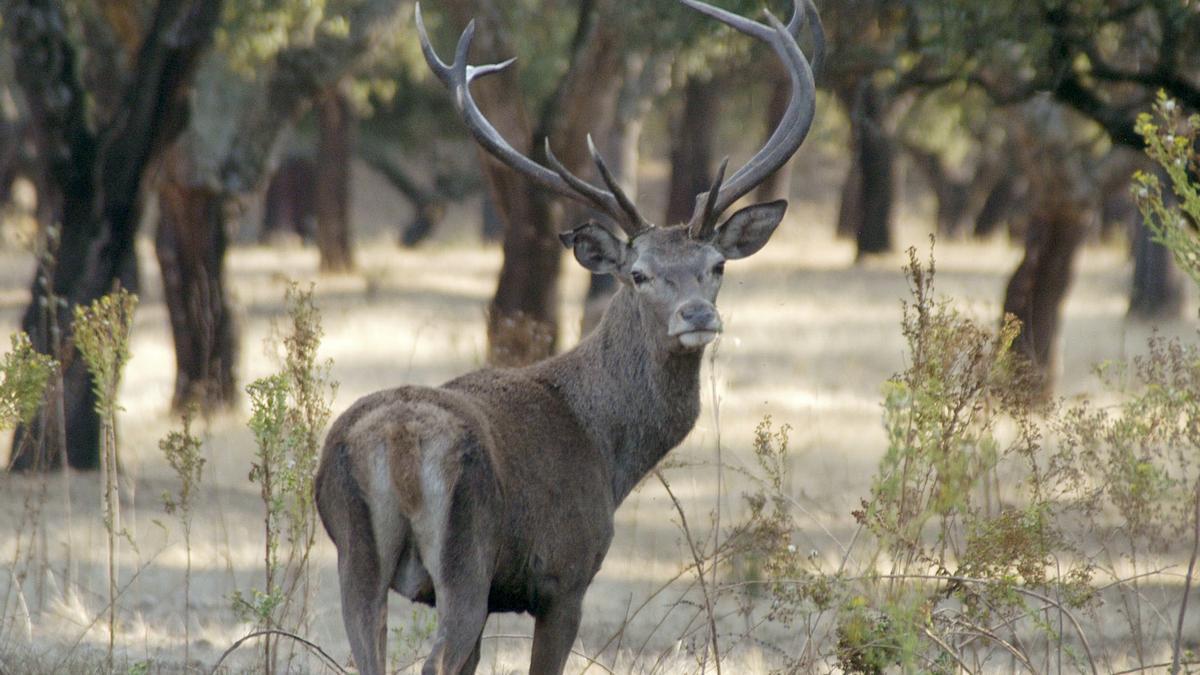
(595, 248)
(749, 229)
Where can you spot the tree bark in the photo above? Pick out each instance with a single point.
(190, 245)
(98, 177)
(877, 182)
(850, 203)
(1157, 288)
(692, 148)
(335, 123)
(868, 192)
(1038, 286)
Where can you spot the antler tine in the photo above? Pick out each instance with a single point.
(595, 196)
(458, 76)
(636, 222)
(702, 227)
(797, 118)
(436, 64)
(806, 13)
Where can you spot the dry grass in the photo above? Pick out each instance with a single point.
(809, 339)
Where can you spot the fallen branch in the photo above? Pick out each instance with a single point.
(312, 646)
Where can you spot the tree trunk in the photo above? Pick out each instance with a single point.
(1038, 286)
(691, 148)
(289, 206)
(97, 175)
(190, 244)
(850, 204)
(335, 124)
(877, 185)
(1043, 140)
(1157, 290)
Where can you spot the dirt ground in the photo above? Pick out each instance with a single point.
(810, 336)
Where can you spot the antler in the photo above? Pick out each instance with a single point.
(458, 77)
(796, 120)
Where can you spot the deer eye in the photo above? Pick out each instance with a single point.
(719, 268)
(639, 278)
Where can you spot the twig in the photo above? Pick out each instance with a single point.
(716, 404)
(314, 647)
(975, 630)
(687, 534)
(1187, 586)
(949, 650)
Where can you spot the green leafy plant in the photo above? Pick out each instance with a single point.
(24, 374)
(1172, 142)
(102, 331)
(182, 450)
(289, 411)
(409, 641)
(960, 534)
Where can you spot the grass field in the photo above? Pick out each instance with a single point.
(810, 336)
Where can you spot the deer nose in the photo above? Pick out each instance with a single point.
(699, 315)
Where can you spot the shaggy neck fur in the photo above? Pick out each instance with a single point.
(634, 398)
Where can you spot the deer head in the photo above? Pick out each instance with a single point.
(674, 271)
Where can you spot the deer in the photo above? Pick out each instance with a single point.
(496, 491)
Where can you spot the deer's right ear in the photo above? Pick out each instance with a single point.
(595, 248)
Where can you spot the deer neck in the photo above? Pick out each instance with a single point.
(635, 399)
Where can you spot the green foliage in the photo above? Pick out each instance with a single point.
(289, 411)
(938, 418)
(770, 555)
(963, 528)
(102, 332)
(182, 450)
(253, 32)
(1172, 141)
(1142, 457)
(408, 644)
(24, 373)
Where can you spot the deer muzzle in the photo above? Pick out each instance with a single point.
(695, 324)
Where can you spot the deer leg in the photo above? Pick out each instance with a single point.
(553, 634)
(473, 661)
(364, 604)
(462, 613)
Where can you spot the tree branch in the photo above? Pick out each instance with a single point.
(299, 75)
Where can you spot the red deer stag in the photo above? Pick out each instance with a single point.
(495, 492)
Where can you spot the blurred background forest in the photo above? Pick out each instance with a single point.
(199, 153)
